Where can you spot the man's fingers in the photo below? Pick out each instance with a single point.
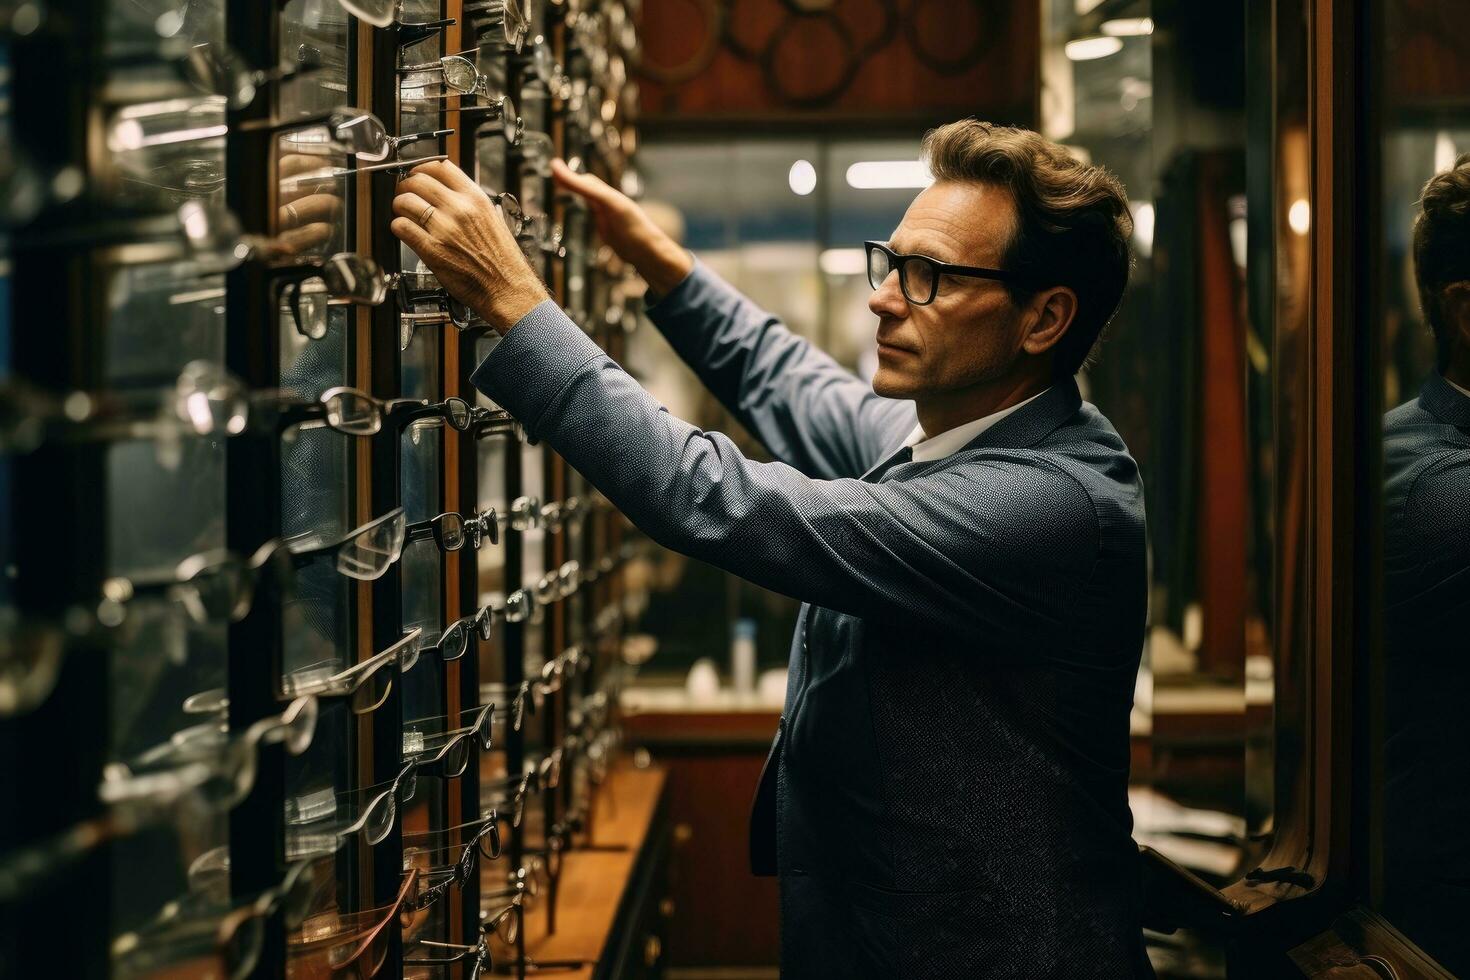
(449, 175)
(588, 185)
(409, 205)
(412, 235)
(455, 179)
(426, 186)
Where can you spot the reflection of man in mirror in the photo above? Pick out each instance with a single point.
(1426, 444)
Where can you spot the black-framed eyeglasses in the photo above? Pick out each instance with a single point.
(364, 553)
(418, 289)
(455, 411)
(918, 275)
(496, 422)
(434, 882)
(350, 411)
(345, 277)
(451, 531)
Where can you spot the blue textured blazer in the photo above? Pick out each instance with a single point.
(951, 769)
(1426, 676)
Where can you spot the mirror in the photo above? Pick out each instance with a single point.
(1422, 674)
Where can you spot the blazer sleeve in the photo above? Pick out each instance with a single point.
(949, 549)
(807, 409)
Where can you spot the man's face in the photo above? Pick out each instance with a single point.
(971, 332)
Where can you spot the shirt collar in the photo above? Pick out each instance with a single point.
(1457, 388)
(929, 448)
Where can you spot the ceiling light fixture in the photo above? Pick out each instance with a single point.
(1092, 48)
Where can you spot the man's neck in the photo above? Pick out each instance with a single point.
(1458, 373)
(942, 411)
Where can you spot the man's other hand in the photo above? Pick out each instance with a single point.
(628, 230)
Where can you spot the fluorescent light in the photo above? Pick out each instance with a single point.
(1299, 216)
(1092, 48)
(1128, 27)
(844, 262)
(888, 175)
(802, 177)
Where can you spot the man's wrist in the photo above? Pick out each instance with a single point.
(668, 267)
(510, 305)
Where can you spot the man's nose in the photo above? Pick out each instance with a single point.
(888, 298)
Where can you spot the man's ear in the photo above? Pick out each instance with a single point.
(1457, 311)
(1054, 310)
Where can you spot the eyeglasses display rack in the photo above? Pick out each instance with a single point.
(309, 660)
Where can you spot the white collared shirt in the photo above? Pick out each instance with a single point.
(950, 441)
(1451, 384)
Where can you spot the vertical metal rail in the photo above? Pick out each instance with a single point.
(385, 373)
(253, 481)
(467, 478)
(461, 569)
(56, 751)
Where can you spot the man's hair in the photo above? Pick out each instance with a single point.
(1442, 249)
(1072, 221)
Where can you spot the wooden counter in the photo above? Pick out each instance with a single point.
(609, 905)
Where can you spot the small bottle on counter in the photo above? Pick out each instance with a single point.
(742, 656)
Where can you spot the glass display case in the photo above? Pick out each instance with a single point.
(322, 649)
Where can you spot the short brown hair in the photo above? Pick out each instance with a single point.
(1442, 248)
(1072, 227)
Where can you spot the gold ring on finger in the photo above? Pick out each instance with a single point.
(428, 213)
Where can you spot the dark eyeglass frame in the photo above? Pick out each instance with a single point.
(451, 530)
(428, 289)
(284, 411)
(899, 263)
(496, 422)
(330, 270)
(460, 872)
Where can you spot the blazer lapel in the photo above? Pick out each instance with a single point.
(1024, 427)
(1035, 422)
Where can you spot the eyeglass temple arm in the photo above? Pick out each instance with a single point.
(411, 34)
(433, 134)
(418, 530)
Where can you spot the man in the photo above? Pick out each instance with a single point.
(946, 796)
(1426, 455)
